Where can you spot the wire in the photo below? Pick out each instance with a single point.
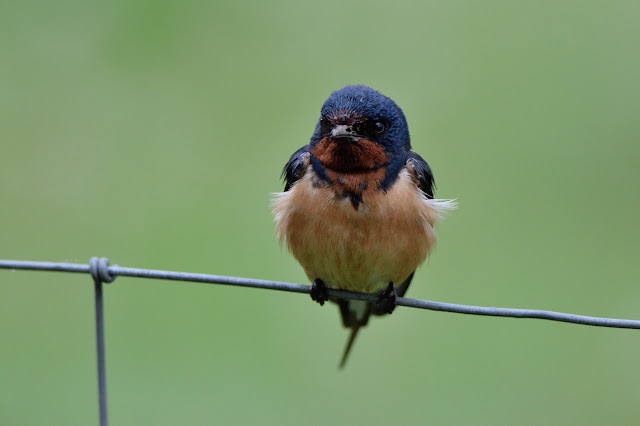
(106, 271)
(100, 351)
(102, 272)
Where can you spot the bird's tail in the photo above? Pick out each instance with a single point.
(347, 349)
(355, 314)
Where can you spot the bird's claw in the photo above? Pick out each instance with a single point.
(319, 292)
(387, 299)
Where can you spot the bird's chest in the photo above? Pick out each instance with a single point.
(362, 249)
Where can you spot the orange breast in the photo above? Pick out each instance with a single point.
(383, 241)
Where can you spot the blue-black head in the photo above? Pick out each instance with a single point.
(359, 112)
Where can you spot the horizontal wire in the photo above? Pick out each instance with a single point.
(115, 270)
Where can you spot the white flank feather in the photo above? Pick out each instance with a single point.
(442, 207)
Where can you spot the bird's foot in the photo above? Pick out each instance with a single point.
(319, 291)
(387, 299)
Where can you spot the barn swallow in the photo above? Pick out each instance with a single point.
(357, 211)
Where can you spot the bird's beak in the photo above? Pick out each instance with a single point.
(344, 131)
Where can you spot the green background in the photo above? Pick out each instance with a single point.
(154, 132)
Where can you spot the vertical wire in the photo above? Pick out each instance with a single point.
(102, 380)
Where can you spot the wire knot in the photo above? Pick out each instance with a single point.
(98, 268)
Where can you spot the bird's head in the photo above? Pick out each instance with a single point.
(359, 129)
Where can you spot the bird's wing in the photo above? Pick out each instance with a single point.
(402, 289)
(295, 167)
(422, 173)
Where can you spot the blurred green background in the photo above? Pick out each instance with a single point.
(154, 132)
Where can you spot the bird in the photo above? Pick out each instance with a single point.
(358, 209)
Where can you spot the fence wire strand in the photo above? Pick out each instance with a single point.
(102, 272)
(112, 271)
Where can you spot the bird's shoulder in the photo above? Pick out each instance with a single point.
(422, 173)
(296, 167)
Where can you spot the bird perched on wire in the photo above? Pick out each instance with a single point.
(358, 210)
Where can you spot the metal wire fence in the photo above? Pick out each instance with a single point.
(102, 272)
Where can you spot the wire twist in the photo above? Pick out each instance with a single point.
(99, 269)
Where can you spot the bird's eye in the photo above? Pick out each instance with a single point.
(379, 126)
